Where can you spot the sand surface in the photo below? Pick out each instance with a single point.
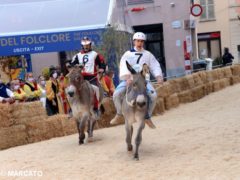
(199, 140)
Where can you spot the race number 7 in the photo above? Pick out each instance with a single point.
(140, 55)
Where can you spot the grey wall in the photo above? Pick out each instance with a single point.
(161, 12)
(40, 61)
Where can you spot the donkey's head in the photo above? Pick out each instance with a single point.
(75, 81)
(136, 94)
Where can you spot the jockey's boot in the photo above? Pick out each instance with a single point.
(116, 120)
(150, 123)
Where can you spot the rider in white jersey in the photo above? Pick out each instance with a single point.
(137, 55)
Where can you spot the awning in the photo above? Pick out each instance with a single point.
(36, 26)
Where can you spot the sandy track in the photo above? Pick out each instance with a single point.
(200, 140)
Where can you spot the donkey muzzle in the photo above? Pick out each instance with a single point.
(141, 101)
(141, 104)
(71, 94)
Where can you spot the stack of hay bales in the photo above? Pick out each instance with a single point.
(235, 74)
(193, 87)
(11, 134)
(25, 123)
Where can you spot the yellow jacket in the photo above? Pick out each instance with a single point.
(51, 95)
(49, 91)
(19, 94)
(107, 84)
(32, 94)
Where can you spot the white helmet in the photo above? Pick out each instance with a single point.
(85, 41)
(140, 36)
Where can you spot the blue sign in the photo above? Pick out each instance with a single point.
(47, 42)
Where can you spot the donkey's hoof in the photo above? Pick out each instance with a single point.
(90, 139)
(81, 142)
(130, 148)
(136, 158)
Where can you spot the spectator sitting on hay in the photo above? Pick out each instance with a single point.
(19, 93)
(6, 95)
(31, 88)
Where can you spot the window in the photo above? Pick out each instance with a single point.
(208, 10)
(130, 2)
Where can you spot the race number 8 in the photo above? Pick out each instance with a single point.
(140, 55)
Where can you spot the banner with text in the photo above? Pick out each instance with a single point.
(46, 42)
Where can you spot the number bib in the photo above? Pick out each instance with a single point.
(88, 61)
(135, 58)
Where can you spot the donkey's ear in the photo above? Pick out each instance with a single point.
(130, 68)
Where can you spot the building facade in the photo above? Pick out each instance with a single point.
(166, 25)
(217, 28)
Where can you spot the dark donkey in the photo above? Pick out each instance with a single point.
(80, 95)
(134, 108)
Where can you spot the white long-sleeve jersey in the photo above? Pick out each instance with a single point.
(139, 57)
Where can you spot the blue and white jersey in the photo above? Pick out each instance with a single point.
(139, 57)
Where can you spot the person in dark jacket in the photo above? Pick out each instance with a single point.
(6, 95)
(227, 57)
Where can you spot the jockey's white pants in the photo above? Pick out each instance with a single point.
(120, 91)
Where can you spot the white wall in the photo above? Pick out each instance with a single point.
(39, 61)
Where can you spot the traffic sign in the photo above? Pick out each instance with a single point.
(196, 10)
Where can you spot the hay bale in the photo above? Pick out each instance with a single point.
(224, 83)
(235, 70)
(198, 92)
(13, 136)
(235, 80)
(6, 119)
(197, 79)
(175, 86)
(44, 129)
(164, 90)
(183, 83)
(28, 112)
(212, 75)
(109, 113)
(216, 86)
(160, 107)
(185, 96)
(220, 72)
(171, 101)
(203, 76)
(227, 72)
(68, 125)
(190, 82)
(209, 88)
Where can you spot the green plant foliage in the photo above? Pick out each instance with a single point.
(46, 73)
(114, 44)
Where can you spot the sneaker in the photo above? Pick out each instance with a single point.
(150, 123)
(116, 120)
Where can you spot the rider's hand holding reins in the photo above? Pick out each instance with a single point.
(129, 82)
(159, 80)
